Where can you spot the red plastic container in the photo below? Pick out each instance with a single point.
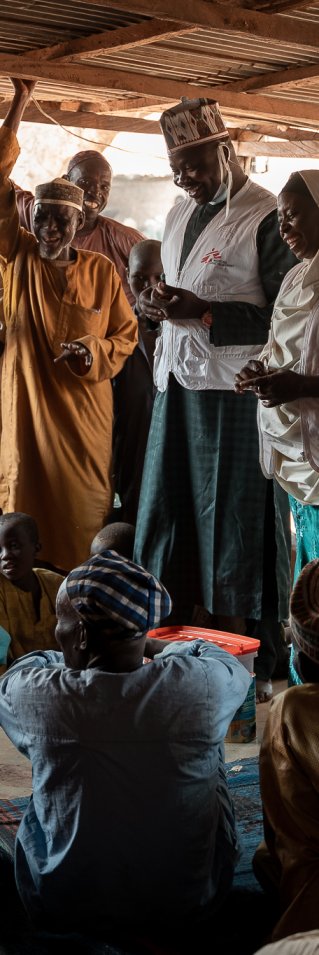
(244, 647)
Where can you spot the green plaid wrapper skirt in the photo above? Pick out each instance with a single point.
(204, 508)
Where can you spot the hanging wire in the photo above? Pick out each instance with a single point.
(95, 142)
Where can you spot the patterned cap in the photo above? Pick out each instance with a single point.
(116, 595)
(304, 611)
(59, 192)
(192, 122)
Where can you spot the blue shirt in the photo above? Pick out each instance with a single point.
(130, 809)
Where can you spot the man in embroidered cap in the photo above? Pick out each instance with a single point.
(69, 330)
(289, 773)
(130, 814)
(206, 521)
(90, 171)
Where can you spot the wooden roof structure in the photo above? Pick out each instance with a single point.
(109, 66)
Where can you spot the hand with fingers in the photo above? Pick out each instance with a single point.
(246, 377)
(278, 387)
(23, 87)
(162, 301)
(75, 352)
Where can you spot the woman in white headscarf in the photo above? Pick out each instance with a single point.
(286, 378)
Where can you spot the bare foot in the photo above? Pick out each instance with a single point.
(264, 691)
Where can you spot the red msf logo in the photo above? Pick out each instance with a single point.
(211, 256)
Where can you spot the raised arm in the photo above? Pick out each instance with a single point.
(23, 90)
(9, 151)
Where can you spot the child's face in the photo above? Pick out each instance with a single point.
(17, 551)
(146, 270)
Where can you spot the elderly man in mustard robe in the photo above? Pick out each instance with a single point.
(68, 331)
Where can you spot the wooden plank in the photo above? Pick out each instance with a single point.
(279, 132)
(218, 16)
(275, 80)
(111, 41)
(279, 6)
(82, 119)
(293, 150)
(236, 104)
(117, 105)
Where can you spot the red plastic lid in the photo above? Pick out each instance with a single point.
(232, 642)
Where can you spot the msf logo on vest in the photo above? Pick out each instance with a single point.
(212, 256)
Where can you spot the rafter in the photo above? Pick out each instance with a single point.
(296, 150)
(111, 41)
(276, 79)
(247, 143)
(215, 16)
(276, 131)
(88, 77)
(82, 119)
(279, 6)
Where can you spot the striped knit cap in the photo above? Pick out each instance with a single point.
(117, 597)
(304, 611)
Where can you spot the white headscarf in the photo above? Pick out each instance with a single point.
(298, 295)
(311, 178)
(307, 943)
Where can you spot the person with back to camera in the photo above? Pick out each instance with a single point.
(117, 536)
(135, 768)
(286, 378)
(209, 524)
(69, 329)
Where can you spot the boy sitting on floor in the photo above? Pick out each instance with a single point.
(27, 596)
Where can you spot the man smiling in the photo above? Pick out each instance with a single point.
(92, 173)
(206, 524)
(69, 330)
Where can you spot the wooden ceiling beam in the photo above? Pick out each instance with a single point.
(219, 16)
(276, 6)
(282, 150)
(236, 104)
(82, 119)
(106, 106)
(276, 80)
(277, 132)
(111, 41)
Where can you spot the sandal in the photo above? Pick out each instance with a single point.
(264, 691)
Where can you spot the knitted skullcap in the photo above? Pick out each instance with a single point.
(59, 192)
(117, 597)
(191, 123)
(304, 611)
(80, 157)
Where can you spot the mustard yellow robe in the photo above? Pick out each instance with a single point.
(18, 616)
(56, 439)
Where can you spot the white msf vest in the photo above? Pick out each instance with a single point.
(223, 266)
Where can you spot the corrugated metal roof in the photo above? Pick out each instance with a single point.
(205, 57)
